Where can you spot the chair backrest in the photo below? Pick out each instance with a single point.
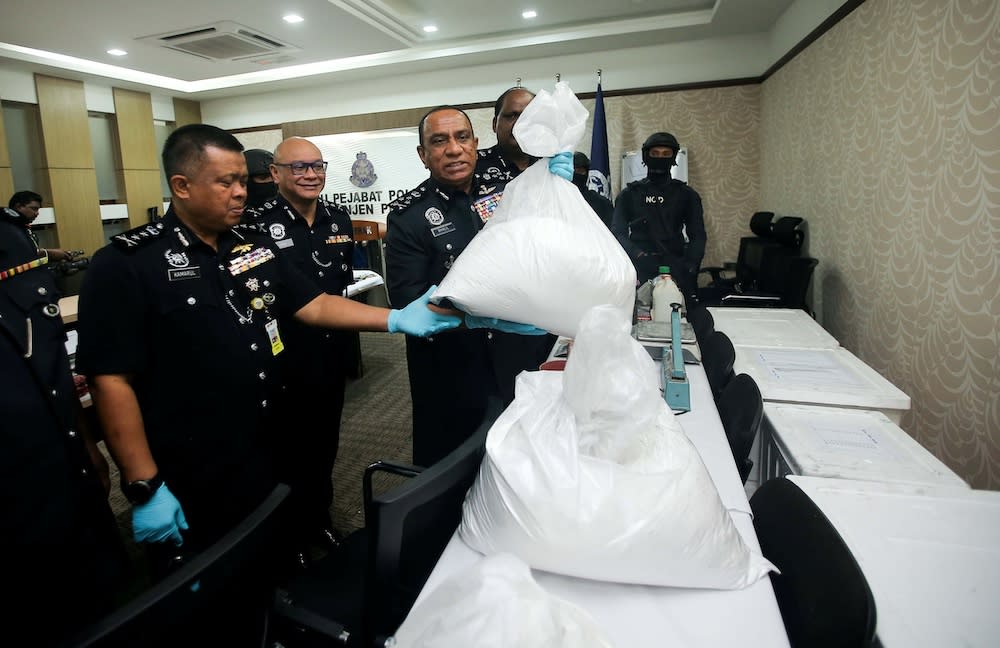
(821, 591)
(788, 276)
(701, 321)
(741, 409)
(409, 527)
(752, 248)
(365, 230)
(718, 356)
(170, 611)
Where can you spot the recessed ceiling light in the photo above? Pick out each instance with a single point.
(530, 13)
(117, 52)
(293, 18)
(430, 29)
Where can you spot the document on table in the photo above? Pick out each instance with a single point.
(803, 366)
(864, 442)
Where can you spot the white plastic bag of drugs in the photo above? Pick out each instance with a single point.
(588, 474)
(544, 257)
(497, 604)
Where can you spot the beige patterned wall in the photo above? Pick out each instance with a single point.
(885, 135)
(719, 128)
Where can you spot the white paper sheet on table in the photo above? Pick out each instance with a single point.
(798, 366)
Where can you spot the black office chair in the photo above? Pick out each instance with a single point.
(743, 271)
(360, 597)
(822, 593)
(741, 409)
(718, 357)
(701, 321)
(784, 283)
(181, 609)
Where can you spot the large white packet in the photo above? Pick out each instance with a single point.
(497, 604)
(587, 473)
(544, 257)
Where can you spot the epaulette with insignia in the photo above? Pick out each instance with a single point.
(138, 237)
(405, 201)
(246, 226)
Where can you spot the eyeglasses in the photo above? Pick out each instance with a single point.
(299, 168)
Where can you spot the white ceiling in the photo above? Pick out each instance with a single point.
(340, 37)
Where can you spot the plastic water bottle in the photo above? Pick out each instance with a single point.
(665, 292)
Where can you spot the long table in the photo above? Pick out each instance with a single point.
(640, 615)
(931, 557)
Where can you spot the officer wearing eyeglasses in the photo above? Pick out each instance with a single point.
(317, 236)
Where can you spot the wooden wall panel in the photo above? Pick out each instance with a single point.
(6, 174)
(78, 209)
(4, 152)
(136, 139)
(186, 112)
(69, 155)
(407, 118)
(142, 187)
(6, 185)
(65, 131)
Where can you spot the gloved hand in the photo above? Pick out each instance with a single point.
(561, 164)
(416, 319)
(160, 519)
(473, 321)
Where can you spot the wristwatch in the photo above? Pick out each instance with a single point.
(141, 491)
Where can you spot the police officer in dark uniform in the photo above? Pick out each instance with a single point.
(451, 375)
(653, 216)
(505, 160)
(62, 553)
(261, 186)
(179, 337)
(601, 205)
(317, 236)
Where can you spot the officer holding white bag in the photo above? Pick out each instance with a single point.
(452, 375)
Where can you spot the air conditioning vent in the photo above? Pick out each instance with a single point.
(222, 41)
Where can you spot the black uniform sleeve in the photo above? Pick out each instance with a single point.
(111, 322)
(406, 262)
(694, 224)
(622, 217)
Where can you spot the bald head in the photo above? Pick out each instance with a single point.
(304, 188)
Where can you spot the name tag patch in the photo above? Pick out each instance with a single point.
(441, 230)
(180, 274)
(285, 243)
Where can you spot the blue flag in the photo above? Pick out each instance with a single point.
(600, 168)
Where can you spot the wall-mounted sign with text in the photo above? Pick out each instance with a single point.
(369, 170)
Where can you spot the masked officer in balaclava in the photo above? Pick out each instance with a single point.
(659, 220)
(260, 187)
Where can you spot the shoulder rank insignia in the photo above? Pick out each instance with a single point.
(401, 203)
(137, 237)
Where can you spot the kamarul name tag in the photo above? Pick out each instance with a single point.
(180, 274)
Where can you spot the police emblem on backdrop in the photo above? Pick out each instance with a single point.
(434, 216)
(277, 231)
(363, 171)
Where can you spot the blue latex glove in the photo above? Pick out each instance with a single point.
(561, 164)
(473, 321)
(416, 319)
(160, 519)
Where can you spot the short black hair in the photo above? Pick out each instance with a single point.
(185, 146)
(499, 103)
(420, 126)
(23, 198)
